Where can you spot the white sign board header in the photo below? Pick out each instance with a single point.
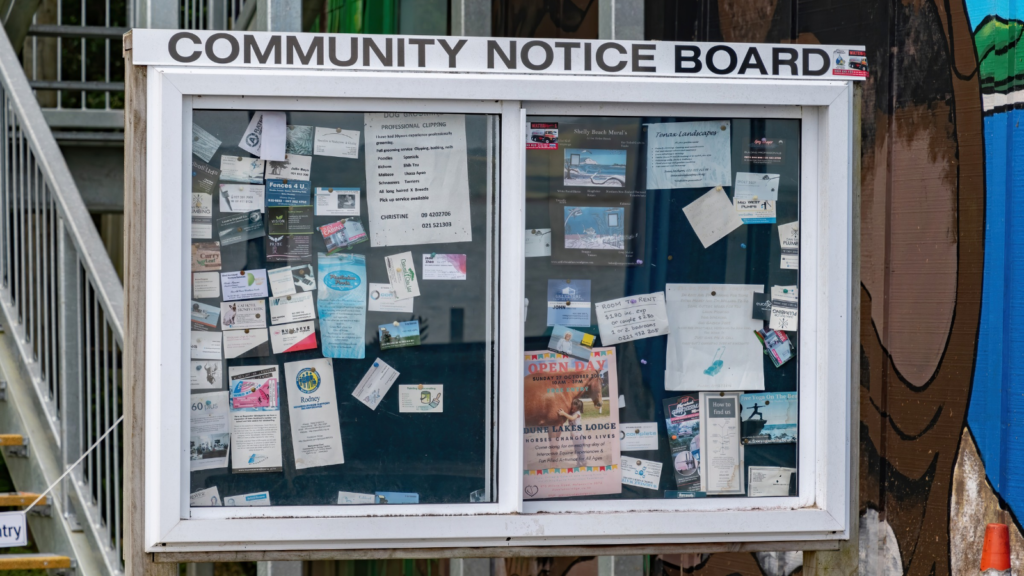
(497, 55)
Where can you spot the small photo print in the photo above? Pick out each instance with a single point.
(605, 168)
(399, 334)
(542, 136)
(768, 418)
(595, 228)
(571, 343)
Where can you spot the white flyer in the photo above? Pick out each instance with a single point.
(206, 285)
(246, 343)
(206, 375)
(281, 281)
(689, 154)
(632, 318)
(292, 308)
(768, 481)
(424, 398)
(785, 313)
(293, 337)
(313, 411)
(255, 419)
(204, 498)
(721, 454)
(244, 284)
(641, 473)
(444, 266)
(254, 499)
(712, 216)
(204, 144)
(637, 435)
(205, 346)
(209, 436)
(337, 201)
(243, 170)
(243, 315)
(202, 216)
(711, 344)
(402, 275)
(375, 384)
(336, 142)
(242, 197)
(293, 167)
(356, 498)
(789, 239)
(382, 299)
(538, 242)
(417, 179)
(264, 136)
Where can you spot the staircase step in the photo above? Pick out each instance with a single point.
(20, 499)
(33, 561)
(12, 440)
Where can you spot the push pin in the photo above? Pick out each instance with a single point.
(433, 254)
(396, 323)
(644, 362)
(639, 261)
(744, 246)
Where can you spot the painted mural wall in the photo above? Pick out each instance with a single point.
(942, 260)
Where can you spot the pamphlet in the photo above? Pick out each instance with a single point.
(255, 419)
(569, 303)
(313, 412)
(571, 437)
(336, 142)
(572, 343)
(722, 465)
(375, 384)
(382, 299)
(689, 155)
(402, 275)
(444, 266)
(341, 305)
(209, 437)
(337, 201)
(711, 344)
(777, 345)
(294, 337)
(206, 375)
(204, 144)
(241, 197)
(417, 179)
(632, 318)
(682, 421)
(769, 418)
(422, 398)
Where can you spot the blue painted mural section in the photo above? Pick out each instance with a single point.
(996, 413)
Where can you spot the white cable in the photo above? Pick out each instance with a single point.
(72, 467)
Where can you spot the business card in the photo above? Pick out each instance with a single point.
(254, 499)
(287, 192)
(293, 337)
(289, 220)
(638, 436)
(444, 266)
(204, 316)
(356, 498)
(205, 346)
(289, 248)
(399, 334)
(241, 197)
(244, 284)
(641, 473)
(242, 170)
(205, 256)
(202, 216)
(205, 285)
(238, 228)
(338, 235)
(382, 299)
(299, 140)
(292, 308)
(294, 167)
(204, 177)
(337, 201)
(336, 142)
(402, 275)
(246, 343)
(243, 315)
(425, 398)
(375, 384)
(206, 375)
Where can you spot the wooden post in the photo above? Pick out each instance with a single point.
(136, 561)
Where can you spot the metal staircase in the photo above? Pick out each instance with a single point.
(60, 353)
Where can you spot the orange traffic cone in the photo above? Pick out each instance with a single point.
(995, 555)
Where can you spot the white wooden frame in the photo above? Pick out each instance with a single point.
(819, 513)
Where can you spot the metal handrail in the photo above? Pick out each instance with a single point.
(64, 307)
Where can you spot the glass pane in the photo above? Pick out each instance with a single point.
(343, 304)
(662, 310)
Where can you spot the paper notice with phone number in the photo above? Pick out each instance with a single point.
(632, 318)
(417, 179)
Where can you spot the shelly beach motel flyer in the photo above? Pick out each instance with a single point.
(570, 434)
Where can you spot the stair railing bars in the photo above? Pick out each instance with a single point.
(64, 308)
